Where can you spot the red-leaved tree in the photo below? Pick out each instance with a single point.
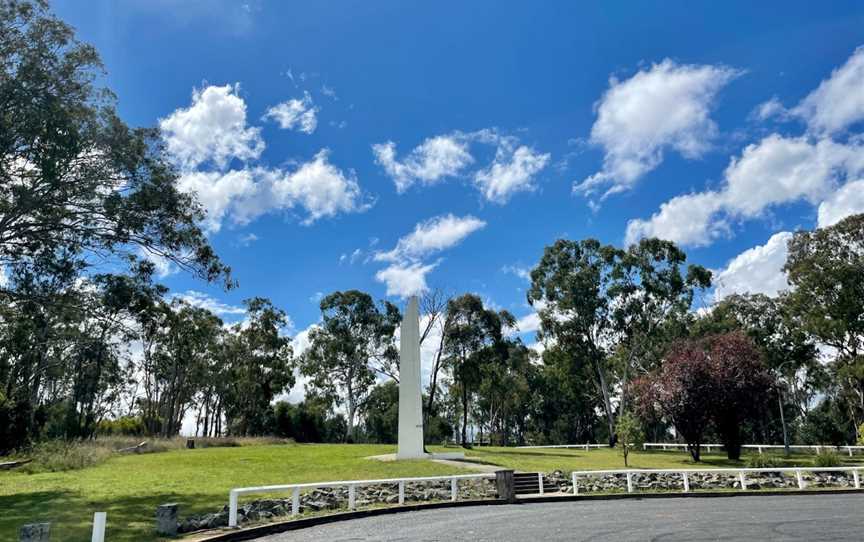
(720, 379)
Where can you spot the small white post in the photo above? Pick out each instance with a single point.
(856, 478)
(99, 520)
(352, 494)
(540, 482)
(644, 447)
(402, 492)
(686, 482)
(629, 482)
(760, 450)
(232, 508)
(454, 489)
(742, 480)
(799, 478)
(295, 501)
(575, 483)
(818, 450)
(849, 449)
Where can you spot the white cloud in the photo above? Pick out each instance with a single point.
(299, 114)
(775, 171)
(529, 323)
(685, 219)
(521, 272)
(212, 130)
(512, 171)
(204, 301)
(433, 160)
(847, 201)
(405, 279)
(318, 187)
(758, 270)
(768, 109)
(664, 107)
(838, 102)
(164, 267)
(433, 235)
(218, 191)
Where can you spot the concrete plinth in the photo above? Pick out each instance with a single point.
(166, 519)
(35, 532)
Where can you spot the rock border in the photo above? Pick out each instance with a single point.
(252, 533)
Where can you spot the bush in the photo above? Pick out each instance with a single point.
(762, 461)
(861, 435)
(827, 458)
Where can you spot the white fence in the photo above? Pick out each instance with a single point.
(760, 447)
(742, 479)
(585, 447)
(352, 487)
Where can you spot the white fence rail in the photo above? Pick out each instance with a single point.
(759, 447)
(741, 473)
(585, 447)
(352, 485)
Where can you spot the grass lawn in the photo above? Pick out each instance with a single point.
(130, 487)
(570, 459)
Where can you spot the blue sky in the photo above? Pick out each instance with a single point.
(388, 145)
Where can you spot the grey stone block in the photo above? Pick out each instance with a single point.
(166, 519)
(35, 532)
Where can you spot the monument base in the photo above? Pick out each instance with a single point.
(456, 456)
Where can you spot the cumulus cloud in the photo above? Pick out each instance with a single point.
(405, 279)
(512, 171)
(666, 106)
(758, 270)
(406, 274)
(211, 130)
(768, 109)
(295, 114)
(838, 102)
(431, 236)
(775, 171)
(847, 201)
(318, 187)
(433, 160)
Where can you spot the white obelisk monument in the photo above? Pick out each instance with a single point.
(410, 404)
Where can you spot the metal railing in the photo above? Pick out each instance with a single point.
(352, 490)
(742, 479)
(759, 447)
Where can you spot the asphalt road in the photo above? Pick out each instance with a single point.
(807, 518)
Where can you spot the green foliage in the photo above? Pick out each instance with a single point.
(353, 343)
(827, 458)
(861, 435)
(828, 423)
(123, 426)
(765, 461)
(630, 434)
(58, 455)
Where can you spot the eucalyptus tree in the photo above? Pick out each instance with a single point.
(353, 344)
(474, 335)
(75, 181)
(825, 268)
(258, 366)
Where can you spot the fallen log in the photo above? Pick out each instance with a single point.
(133, 449)
(8, 465)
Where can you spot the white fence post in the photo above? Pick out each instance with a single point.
(454, 489)
(856, 478)
(799, 478)
(99, 521)
(686, 482)
(352, 497)
(742, 480)
(540, 482)
(232, 508)
(402, 492)
(629, 482)
(295, 502)
(575, 483)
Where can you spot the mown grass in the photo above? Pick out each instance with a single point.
(570, 459)
(130, 487)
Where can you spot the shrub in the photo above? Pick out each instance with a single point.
(827, 458)
(861, 435)
(762, 461)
